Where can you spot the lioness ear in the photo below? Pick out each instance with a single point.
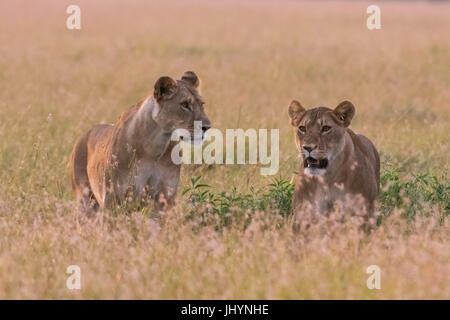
(344, 112)
(164, 88)
(296, 112)
(191, 78)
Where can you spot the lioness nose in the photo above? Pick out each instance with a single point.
(206, 127)
(309, 147)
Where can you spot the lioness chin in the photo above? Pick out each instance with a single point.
(336, 164)
(130, 161)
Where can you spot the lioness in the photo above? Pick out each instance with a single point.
(337, 164)
(131, 160)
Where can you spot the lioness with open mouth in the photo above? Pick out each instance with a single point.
(336, 164)
(131, 160)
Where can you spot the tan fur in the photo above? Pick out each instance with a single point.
(131, 160)
(353, 170)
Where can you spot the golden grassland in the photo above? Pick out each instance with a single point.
(253, 58)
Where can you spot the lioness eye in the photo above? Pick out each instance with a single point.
(302, 128)
(185, 105)
(326, 128)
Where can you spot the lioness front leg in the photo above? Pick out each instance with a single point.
(164, 201)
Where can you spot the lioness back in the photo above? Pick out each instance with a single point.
(374, 158)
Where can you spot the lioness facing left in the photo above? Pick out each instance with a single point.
(336, 164)
(131, 160)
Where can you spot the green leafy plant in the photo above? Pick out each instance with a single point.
(412, 195)
(276, 198)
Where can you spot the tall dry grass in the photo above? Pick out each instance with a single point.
(253, 58)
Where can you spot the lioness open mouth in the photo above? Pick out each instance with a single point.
(314, 163)
(193, 140)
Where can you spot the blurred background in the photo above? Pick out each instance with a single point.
(253, 58)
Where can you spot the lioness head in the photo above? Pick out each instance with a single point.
(319, 134)
(179, 104)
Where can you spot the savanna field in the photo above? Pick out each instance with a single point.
(231, 234)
